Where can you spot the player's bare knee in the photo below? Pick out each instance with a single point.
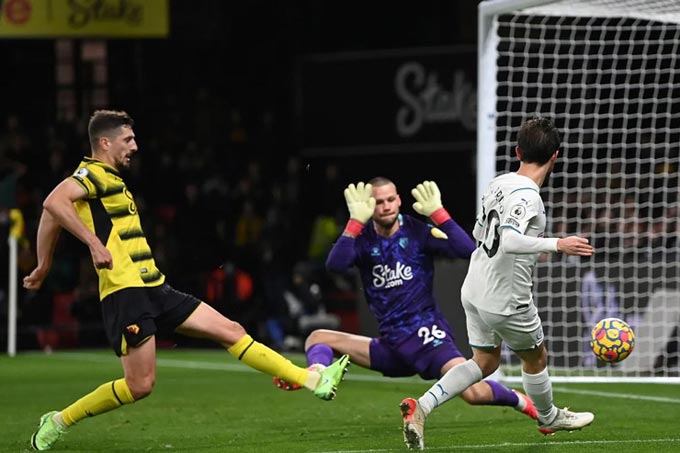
(534, 361)
(232, 332)
(141, 388)
(489, 369)
(317, 336)
(237, 329)
(534, 366)
(487, 364)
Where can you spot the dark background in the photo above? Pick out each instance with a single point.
(227, 89)
(246, 55)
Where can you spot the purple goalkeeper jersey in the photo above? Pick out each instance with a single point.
(397, 273)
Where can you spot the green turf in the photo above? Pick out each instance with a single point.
(206, 401)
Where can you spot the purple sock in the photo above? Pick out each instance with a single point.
(319, 353)
(502, 396)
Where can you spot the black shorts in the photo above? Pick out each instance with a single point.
(132, 315)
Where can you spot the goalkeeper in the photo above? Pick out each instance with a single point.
(395, 256)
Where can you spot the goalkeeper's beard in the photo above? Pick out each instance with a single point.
(386, 223)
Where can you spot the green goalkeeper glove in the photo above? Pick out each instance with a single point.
(429, 202)
(361, 205)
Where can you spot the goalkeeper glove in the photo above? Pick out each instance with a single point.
(429, 202)
(360, 205)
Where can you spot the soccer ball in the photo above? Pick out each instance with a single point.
(612, 340)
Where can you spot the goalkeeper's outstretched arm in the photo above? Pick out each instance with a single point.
(429, 203)
(361, 206)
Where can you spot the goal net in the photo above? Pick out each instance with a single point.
(607, 72)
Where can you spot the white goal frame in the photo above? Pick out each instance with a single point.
(493, 151)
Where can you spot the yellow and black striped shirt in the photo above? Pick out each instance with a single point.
(109, 210)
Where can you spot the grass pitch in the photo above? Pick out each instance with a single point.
(207, 401)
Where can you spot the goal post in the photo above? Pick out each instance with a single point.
(607, 73)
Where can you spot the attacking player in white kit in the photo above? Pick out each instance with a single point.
(497, 291)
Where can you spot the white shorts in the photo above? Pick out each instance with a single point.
(521, 331)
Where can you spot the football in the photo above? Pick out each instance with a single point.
(612, 340)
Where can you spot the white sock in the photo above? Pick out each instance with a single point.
(57, 418)
(538, 387)
(451, 384)
(521, 402)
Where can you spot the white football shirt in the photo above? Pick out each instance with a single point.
(498, 281)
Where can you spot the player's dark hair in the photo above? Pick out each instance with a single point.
(104, 122)
(380, 181)
(538, 139)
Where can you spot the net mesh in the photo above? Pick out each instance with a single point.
(607, 73)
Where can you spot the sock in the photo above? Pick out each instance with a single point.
(539, 388)
(104, 398)
(450, 385)
(502, 396)
(59, 419)
(319, 353)
(262, 358)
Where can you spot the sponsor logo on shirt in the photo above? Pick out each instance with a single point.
(386, 277)
(518, 211)
(132, 207)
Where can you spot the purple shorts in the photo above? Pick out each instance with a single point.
(424, 352)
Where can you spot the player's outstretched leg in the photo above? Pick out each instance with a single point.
(283, 385)
(331, 377)
(414, 424)
(526, 406)
(565, 420)
(48, 432)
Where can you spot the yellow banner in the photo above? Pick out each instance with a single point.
(84, 18)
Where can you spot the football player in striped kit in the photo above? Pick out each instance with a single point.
(96, 206)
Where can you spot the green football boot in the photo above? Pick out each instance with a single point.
(48, 432)
(331, 377)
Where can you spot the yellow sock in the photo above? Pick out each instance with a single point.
(104, 398)
(262, 358)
